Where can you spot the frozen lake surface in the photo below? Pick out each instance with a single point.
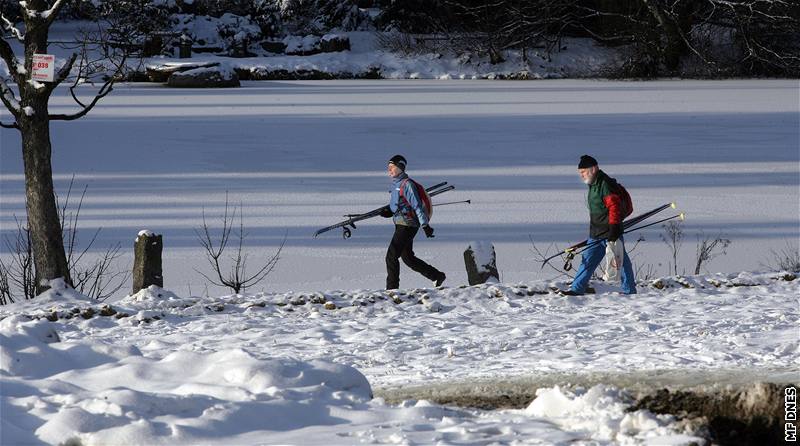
(290, 363)
(298, 155)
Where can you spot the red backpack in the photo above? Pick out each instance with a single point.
(427, 205)
(625, 198)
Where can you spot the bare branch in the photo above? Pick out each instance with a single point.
(236, 277)
(708, 249)
(7, 54)
(9, 99)
(541, 256)
(12, 29)
(63, 73)
(19, 272)
(104, 90)
(51, 14)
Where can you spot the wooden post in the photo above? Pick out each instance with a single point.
(147, 261)
(481, 262)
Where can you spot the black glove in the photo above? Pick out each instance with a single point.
(386, 212)
(614, 232)
(428, 231)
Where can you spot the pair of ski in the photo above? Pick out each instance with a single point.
(628, 225)
(353, 218)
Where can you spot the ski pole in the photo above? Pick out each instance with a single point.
(626, 224)
(681, 216)
(440, 191)
(436, 186)
(453, 202)
(571, 254)
(640, 218)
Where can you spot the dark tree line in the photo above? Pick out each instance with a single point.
(716, 37)
(660, 37)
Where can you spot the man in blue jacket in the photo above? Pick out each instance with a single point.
(408, 213)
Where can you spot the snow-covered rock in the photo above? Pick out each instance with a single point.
(209, 77)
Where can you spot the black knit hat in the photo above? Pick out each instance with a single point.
(398, 161)
(586, 161)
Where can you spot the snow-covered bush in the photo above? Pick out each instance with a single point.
(226, 32)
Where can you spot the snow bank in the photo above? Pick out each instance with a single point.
(599, 410)
(60, 293)
(116, 395)
(293, 367)
(91, 393)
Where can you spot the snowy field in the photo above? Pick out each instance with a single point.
(283, 368)
(276, 366)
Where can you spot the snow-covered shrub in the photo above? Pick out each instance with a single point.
(237, 31)
(302, 46)
(785, 259)
(321, 16)
(226, 32)
(266, 14)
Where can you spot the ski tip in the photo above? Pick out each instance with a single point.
(682, 216)
(673, 205)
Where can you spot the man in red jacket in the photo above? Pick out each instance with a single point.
(606, 212)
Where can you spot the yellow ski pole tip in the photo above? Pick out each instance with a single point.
(683, 216)
(673, 205)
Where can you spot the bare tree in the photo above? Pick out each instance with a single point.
(785, 259)
(761, 35)
(542, 255)
(17, 273)
(28, 106)
(98, 279)
(489, 27)
(5, 288)
(708, 249)
(236, 278)
(673, 237)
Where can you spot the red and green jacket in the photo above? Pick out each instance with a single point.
(605, 205)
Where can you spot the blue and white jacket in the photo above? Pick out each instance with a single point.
(408, 212)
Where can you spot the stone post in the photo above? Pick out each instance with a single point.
(481, 262)
(185, 47)
(147, 261)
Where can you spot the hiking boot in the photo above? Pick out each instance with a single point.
(569, 293)
(439, 280)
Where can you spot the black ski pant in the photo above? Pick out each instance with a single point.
(402, 246)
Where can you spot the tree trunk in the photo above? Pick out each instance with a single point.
(43, 220)
(34, 121)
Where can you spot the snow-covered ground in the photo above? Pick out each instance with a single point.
(300, 369)
(297, 155)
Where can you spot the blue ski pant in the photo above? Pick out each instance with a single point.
(590, 260)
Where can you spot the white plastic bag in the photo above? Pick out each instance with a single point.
(615, 254)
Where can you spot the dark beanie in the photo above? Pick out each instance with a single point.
(398, 161)
(587, 161)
